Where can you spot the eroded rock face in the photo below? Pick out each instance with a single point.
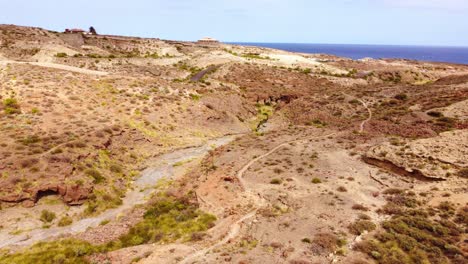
(438, 157)
(70, 194)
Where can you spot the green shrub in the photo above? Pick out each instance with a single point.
(68, 251)
(61, 55)
(47, 216)
(31, 139)
(317, 123)
(392, 191)
(195, 97)
(412, 236)
(96, 175)
(360, 207)
(11, 106)
(326, 242)
(316, 181)
(360, 226)
(65, 221)
(276, 181)
(115, 168)
(167, 219)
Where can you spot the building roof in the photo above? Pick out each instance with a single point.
(208, 39)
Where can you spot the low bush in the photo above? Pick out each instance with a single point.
(61, 55)
(62, 251)
(341, 189)
(116, 168)
(401, 97)
(325, 243)
(47, 216)
(96, 175)
(358, 227)
(11, 106)
(360, 207)
(30, 140)
(435, 114)
(65, 221)
(316, 181)
(463, 173)
(167, 219)
(276, 181)
(412, 236)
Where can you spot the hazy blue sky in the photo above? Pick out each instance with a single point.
(422, 22)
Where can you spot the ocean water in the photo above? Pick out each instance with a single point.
(458, 55)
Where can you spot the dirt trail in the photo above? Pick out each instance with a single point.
(58, 66)
(363, 123)
(143, 188)
(197, 77)
(259, 202)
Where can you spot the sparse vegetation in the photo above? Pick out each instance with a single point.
(65, 221)
(68, 251)
(82, 132)
(435, 113)
(463, 173)
(342, 189)
(316, 181)
(11, 106)
(413, 236)
(47, 216)
(360, 207)
(401, 97)
(96, 175)
(358, 227)
(167, 219)
(276, 181)
(61, 55)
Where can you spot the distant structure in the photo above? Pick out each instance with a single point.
(92, 31)
(74, 31)
(207, 40)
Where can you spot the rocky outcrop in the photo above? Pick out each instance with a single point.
(439, 157)
(74, 40)
(70, 194)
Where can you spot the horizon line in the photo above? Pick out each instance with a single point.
(356, 44)
(263, 42)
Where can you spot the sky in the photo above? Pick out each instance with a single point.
(397, 22)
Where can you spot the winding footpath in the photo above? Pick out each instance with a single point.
(58, 67)
(363, 123)
(258, 201)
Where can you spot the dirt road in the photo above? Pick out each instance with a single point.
(57, 66)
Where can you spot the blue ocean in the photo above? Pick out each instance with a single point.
(458, 55)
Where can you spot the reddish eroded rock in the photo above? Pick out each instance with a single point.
(71, 195)
(76, 195)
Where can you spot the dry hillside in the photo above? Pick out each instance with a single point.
(131, 150)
